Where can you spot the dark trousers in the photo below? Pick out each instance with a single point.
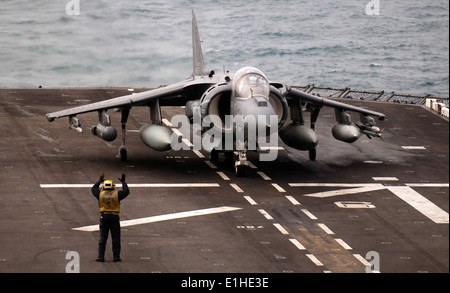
(109, 223)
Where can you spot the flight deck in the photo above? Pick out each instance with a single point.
(380, 205)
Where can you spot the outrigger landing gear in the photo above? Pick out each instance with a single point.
(123, 147)
(312, 154)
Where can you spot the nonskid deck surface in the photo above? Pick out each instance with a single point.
(184, 214)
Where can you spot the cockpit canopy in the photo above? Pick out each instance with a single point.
(249, 82)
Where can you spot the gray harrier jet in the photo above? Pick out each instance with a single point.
(234, 113)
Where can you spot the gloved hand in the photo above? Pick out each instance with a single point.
(122, 179)
(102, 177)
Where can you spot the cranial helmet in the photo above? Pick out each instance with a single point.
(108, 184)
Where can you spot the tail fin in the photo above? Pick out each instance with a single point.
(199, 64)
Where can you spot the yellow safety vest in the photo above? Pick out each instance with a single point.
(108, 202)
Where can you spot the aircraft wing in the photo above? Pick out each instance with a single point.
(293, 94)
(174, 95)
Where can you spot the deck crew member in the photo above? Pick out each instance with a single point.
(109, 206)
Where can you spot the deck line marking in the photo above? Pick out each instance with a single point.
(278, 187)
(224, 177)
(297, 244)
(329, 184)
(427, 184)
(235, 187)
(211, 165)
(251, 165)
(309, 214)
(343, 244)
(413, 147)
(385, 178)
(135, 185)
(264, 176)
(166, 122)
(293, 200)
(281, 229)
(361, 259)
(420, 203)
(160, 218)
(367, 188)
(325, 228)
(265, 214)
(314, 260)
(199, 154)
(250, 200)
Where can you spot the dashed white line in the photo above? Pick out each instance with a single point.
(413, 147)
(251, 165)
(362, 259)
(343, 244)
(265, 214)
(211, 165)
(385, 178)
(315, 260)
(278, 187)
(199, 154)
(309, 214)
(325, 228)
(264, 176)
(250, 200)
(297, 244)
(293, 200)
(281, 229)
(235, 187)
(224, 177)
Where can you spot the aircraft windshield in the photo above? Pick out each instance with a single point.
(250, 82)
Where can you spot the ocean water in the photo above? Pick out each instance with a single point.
(148, 43)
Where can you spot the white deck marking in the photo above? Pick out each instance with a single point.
(309, 214)
(343, 244)
(413, 147)
(166, 122)
(281, 229)
(235, 187)
(366, 188)
(136, 185)
(199, 154)
(427, 184)
(211, 165)
(315, 260)
(361, 259)
(278, 187)
(420, 203)
(264, 176)
(251, 165)
(250, 200)
(224, 177)
(325, 228)
(265, 214)
(385, 178)
(329, 184)
(297, 244)
(293, 200)
(160, 218)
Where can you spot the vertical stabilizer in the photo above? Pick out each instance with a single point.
(199, 64)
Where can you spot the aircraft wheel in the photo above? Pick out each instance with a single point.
(214, 157)
(123, 154)
(312, 154)
(240, 171)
